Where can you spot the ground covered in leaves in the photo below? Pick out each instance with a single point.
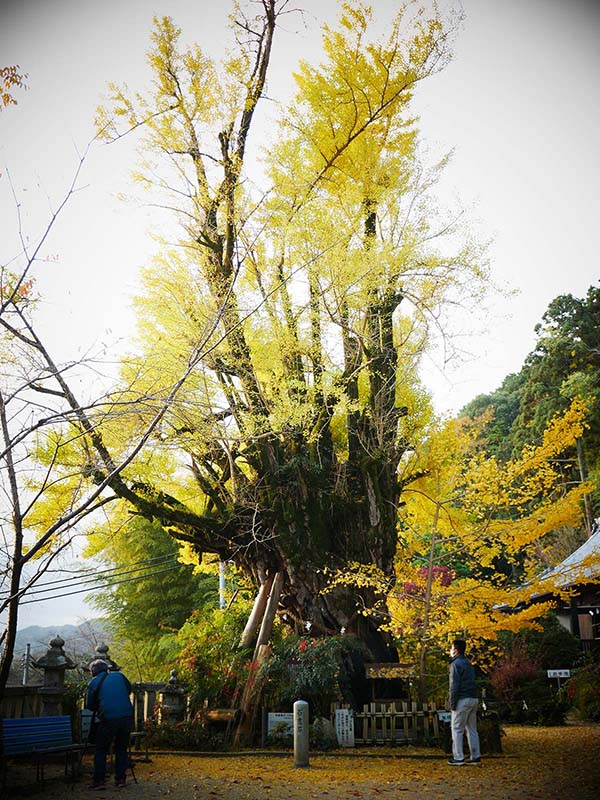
(538, 764)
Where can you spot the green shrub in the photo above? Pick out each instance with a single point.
(552, 647)
(518, 681)
(583, 690)
(210, 665)
(322, 735)
(489, 730)
(552, 710)
(523, 693)
(73, 696)
(187, 735)
(311, 669)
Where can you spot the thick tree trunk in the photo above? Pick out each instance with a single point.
(258, 610)
(268, 619)
(306, 535)
(252, 690)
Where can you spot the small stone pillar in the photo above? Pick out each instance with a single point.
(172, 701)
(301, 740)
(53, 664)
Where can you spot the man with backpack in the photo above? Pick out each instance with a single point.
(108, 697)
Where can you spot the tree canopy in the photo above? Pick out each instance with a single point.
(11, 78)
(270, 411)
(473, 533)
(320, 287)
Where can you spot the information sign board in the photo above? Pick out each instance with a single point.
(280, 723)
(344, 727)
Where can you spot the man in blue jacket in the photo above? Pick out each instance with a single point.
(463, 705)
(108, 695)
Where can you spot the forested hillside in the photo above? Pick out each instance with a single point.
(564, 363)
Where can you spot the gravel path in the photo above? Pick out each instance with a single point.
(539, 764)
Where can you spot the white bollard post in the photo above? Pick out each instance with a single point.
(301, 733)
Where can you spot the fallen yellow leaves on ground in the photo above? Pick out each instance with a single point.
(539, 764)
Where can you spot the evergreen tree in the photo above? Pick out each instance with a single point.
(152, 596)
(565, 363)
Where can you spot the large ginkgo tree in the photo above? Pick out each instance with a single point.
(320, 276)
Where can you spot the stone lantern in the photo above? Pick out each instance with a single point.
(53, 664)
(101, 652)
(172, 701)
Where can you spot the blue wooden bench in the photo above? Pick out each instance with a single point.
(40, 738)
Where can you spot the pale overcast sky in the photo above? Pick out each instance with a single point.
(519, 104)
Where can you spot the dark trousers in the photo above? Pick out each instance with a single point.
(109, 731)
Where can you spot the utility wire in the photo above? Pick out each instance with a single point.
(69, 583)
(101, 586)
(143, 570)
(114, 572)
(79, 577)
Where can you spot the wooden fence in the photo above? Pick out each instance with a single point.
(28, 701)
(395, 722)
(381, 722)
(21, 701)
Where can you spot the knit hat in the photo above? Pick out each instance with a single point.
(97, 666)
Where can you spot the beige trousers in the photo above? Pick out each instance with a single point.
(465, 719)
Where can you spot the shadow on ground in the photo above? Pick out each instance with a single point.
(539, 764)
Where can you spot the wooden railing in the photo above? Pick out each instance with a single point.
(144, 697)
(27, 701)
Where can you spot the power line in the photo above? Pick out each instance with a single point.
(113, 572)
(101, 586)
(67, 583)
(79, 577)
